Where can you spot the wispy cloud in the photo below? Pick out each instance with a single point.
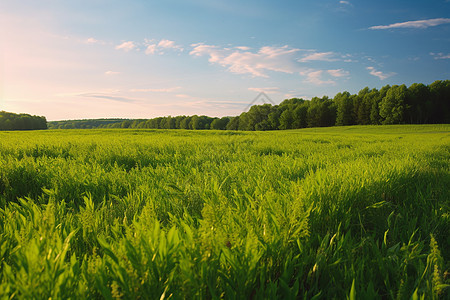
(320, 56)
(160, 90)
(168, 44)
(323, 77)
(316, 77)
(440, 55)
(183, 96)
(344, 6)
(414, 24)
(148, 46)
(107, 97)
(92, 41)
(294, 94)
(126, 46)
(267, 90)
(244, 48)
(278, 59)
(153, 47)
(338, 73)
(112, 73)
(379, 74)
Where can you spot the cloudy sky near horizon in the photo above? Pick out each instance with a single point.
(141, 59)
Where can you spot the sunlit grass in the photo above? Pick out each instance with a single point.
(359, 211)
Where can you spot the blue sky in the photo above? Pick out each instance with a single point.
(142, 59)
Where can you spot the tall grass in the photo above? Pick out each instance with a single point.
(361, 212)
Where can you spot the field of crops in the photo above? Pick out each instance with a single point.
(357, 212)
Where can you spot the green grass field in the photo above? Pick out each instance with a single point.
(344, 212)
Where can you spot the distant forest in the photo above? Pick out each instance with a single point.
(85, 124)
(398, 104)
(12, 121)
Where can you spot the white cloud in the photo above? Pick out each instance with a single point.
(315, 77)
(278, 59)
(84, 93)
(213, 51)
(348, 58)
(338, 73)
(87, 41)
(344, 2)
(321, 56)
(267, 90)
(414, 58)
(440, 55)
(161, 90)
(243, 48)
(107, 97)
(168, 44)
(415, 24)
(126, 46)
(183, 96)
(296, 95)
(151, 49)
(92, 41)
(159, 47)
(277, 51)
(112, 73)
(379, 74)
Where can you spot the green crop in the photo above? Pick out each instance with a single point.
(359, 212)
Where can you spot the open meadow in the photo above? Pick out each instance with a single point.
(361, 212)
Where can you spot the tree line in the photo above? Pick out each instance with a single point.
(83, 124)
(12, 121)
(397, 104)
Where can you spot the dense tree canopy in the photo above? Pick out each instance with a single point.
(92, 123)
(417, 104)
(12, 121)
